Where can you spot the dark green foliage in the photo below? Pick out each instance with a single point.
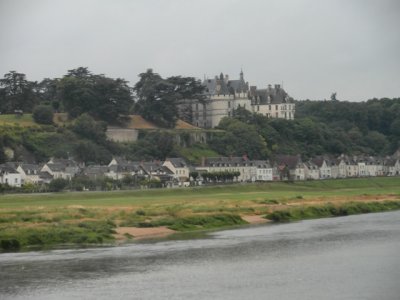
(375, 121)
(158, 98)
(80, 92)
(17, 93)
(89, 128)
(58, 184)
(43, 114)
(196, 222)
(331, 127)
(91, 152)
(239, 139)
(152, 145)
(223, 176)
(329, 210)
(10, 244)
(82, 182)
(95, 232)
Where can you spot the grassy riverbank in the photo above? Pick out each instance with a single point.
(49, 220)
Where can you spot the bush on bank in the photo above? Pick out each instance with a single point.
(330, 210)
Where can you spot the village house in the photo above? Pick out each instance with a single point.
(119, 168)
(179, 168)
(10, 176)
(392, 167)
(312, 171)
(290, 167)
(156, 171)
(61, 168)
(324, 166)
(246, 167)
(30, 173)
(264, 170)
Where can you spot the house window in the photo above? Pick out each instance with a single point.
(269, 107)
(276, 107)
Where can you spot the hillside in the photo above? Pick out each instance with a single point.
(320, 127)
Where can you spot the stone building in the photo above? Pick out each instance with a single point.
(223, 96)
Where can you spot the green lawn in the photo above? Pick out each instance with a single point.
(25, 120)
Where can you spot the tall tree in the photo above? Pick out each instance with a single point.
(17, 93)
(102, 97)
(158, 98)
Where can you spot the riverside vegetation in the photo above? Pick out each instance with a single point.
(42, 221)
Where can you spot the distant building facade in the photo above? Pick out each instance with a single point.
(223, 96)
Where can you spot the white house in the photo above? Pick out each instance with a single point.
(10, 176)
(311, 170)
(30, 173)
(246, 167)
(264, 170)
(178, 167)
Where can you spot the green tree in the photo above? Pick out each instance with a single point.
(17, 93)
(239, 139)
(156, 100)
(89, 128)
(58, 184)
(43, 114)
(83, 92)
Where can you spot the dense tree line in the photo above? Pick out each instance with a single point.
(93, 101)
(76, 93)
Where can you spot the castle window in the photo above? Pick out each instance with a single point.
(269, 107)
(276, 107)
(258, 107)
(229, 104)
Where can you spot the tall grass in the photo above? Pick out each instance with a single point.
(57, 234)
(330, 210)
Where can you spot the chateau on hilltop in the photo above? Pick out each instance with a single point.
(223, 96)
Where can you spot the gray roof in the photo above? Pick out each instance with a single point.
(270, 95)
(291, 161)
(221, 85)
(6, 168)
(30, 167)
(95, 170)
(177, 162)
(227, 162)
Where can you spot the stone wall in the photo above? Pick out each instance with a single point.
(122, 134)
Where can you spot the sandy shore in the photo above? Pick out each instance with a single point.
(163, 231)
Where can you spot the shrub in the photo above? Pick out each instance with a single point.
(43, 114)
(58, 184)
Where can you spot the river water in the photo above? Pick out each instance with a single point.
(355, 257)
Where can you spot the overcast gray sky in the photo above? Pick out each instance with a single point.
(315, 47)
